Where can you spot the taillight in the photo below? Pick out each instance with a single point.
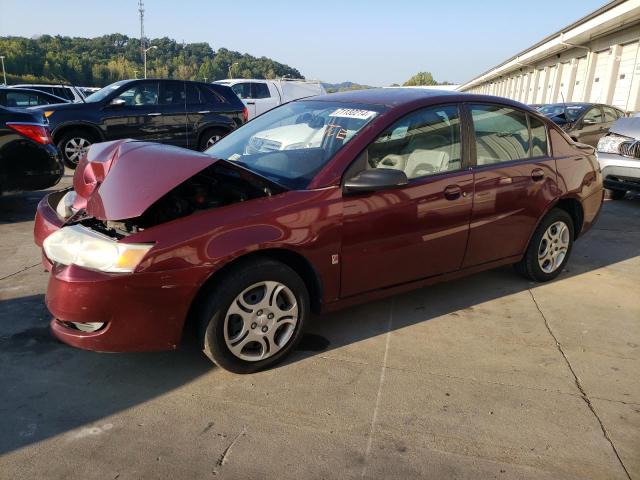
(34, 131)
(245, 115)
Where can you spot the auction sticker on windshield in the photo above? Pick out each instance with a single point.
(353, 113)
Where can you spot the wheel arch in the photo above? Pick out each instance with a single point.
(296, 261)
(574, 208)
(60, 131)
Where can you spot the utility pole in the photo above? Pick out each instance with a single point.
(4, 74)
(142, 40)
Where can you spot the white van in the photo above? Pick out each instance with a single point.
(260, 96)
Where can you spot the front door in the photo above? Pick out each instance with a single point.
(591, 127)
(138, 117)
(417, 231)
(264, 98)
(514, 178)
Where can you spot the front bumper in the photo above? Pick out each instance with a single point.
(142, 311)
(620, 173)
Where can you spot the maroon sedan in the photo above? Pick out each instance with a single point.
(313, 206)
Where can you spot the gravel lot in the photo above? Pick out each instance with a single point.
(486, 377)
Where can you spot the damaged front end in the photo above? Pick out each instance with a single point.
(126, 187)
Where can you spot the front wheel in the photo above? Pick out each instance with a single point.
(254, 316)
(550, 247)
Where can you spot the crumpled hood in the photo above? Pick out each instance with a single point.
(121, 179)
(628, 127)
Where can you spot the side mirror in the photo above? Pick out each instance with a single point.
(589, 121)
(117, 102)
(376, 179)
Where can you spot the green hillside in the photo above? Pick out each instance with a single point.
(103, 60)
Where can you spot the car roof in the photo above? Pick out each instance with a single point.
(389, 96)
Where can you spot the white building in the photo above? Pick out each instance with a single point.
(596, 59)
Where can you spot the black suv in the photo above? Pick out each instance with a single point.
(187, 114)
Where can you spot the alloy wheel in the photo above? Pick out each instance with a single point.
(260, 321)
(75, 148)
(554, 246)
(212, 141)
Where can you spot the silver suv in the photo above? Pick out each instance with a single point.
(619, 156)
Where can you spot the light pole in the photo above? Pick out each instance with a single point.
(4, 75)
(235, 63)
(153, 47)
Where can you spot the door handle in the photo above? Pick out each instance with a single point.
(453, 192)
(537, 174)
(251, 103)
(205, 111)
(153, 114)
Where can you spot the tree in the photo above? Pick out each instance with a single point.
(420, 79)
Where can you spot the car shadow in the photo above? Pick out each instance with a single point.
(50, 389)
(18, 207)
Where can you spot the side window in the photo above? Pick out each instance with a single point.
(242, 90)
(179, 93)
(423, 143)
(63, 93)
(502, 134)
(260, 90)
(22, 100)
(141, 94)
(610, 114)
(593, 116)
(539, 142)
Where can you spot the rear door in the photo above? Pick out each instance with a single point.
(419, 230)
(514, 181)
(173, 106)
(265, 98)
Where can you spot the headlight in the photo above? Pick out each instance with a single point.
(611, 143)
(64, 209)
(80, 246)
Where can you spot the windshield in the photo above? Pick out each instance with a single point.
(569, 112)
(104, 92)
(291, 143)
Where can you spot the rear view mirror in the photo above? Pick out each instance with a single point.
(376, 179)
(117, 102)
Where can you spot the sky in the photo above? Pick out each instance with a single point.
(370, 42)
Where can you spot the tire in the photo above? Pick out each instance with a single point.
(261, 330)
(616, 194)
(210, 137)
(555, 232)
(73, 145)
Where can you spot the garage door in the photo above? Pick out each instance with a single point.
(628, 59)
(551, 80)
(565, 77)
(579, 82)
(539, 93)
(600, 71)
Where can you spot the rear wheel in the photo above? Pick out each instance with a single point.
(616, 194)
(550, 247)
(254, 316)
(74, 145)
(210, 137)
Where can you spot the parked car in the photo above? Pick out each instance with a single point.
(186, 114)
(260, 96)
(619, 157)
(28, 158)
(27, 97)
(68, 92)
(583, 122)
(407, 188)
